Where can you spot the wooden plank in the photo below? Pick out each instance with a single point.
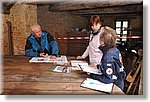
(41, 71)
(51, 87)
(57, 92)
(42, 86)
(42, 78)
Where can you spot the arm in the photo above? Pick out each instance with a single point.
(86, 53)
(29, 50)
(53, 44)
(107, 73)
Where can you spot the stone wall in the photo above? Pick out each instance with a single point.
(21, 16)
(59, 24)
(5, 41)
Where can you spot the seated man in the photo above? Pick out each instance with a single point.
(41, 43)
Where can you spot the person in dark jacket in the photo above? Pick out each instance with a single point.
(111, 63)
(41, 43)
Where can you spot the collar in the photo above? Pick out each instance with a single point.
(95, 33)
(105, 48)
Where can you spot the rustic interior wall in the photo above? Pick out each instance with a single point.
(21, 16)
(5, 40)
(137, 26)
(59, 23)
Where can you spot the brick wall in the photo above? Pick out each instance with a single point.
(59, 23)
(5, 40)
(21, 16)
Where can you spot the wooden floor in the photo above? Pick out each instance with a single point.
(22, 77)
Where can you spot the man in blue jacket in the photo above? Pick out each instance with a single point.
(111, 63)
(41, 43)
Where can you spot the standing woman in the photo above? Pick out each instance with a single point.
(92, 50)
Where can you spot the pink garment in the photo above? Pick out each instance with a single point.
(92, 50)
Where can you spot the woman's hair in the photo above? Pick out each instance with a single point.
(108, 36)
(95, 19)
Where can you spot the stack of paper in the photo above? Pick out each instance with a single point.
(39, 59)
(58, 60)
(78, 62)
(97, 85)
(62, 60)
(89, 69)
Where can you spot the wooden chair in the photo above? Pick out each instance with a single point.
(135, 77)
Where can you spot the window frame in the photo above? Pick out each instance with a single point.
(119, 40)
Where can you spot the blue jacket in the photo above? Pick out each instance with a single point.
(46, 44)
(111, 67)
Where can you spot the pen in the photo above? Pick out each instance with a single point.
(80, 66)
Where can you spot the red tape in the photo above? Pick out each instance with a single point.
(87, 38)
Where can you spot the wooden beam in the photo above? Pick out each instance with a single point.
(127, 9)
(7, 6)
(72, 6)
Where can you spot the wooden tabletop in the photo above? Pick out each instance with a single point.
(22, 77)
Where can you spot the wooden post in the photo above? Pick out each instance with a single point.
(10, 38)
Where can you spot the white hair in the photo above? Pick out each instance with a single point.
(35, 26)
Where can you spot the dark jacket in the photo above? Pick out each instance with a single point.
(111, 67)
(45, 44)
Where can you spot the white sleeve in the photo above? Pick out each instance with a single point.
(86, 53)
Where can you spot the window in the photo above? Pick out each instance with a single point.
(121, 29)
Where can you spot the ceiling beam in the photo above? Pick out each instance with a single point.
(126, 9)
(73, 6)
(7, 5)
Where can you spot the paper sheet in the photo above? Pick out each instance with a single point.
(78, 62)
(89, 69)
(59, 60)
(97, 85)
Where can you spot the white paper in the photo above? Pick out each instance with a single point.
(97, 85)
(60, 69)
(58, 60)
(39, 59)
(89, 69)
(78, 62)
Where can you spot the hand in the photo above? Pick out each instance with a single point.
(88, 73)
(43, 55)
(80, 57)
(92, 65)
(46, 55)
(53, 57)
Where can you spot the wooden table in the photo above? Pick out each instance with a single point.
(22, 77)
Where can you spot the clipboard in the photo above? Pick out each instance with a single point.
(97, 85)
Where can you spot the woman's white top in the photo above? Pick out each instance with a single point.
(95, 54)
